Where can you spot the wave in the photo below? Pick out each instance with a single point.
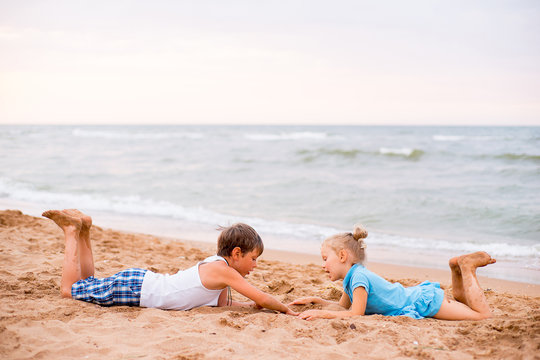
(511, 156)
(308, 234)
(312, 154)
(406, 152)
(127, 135)
(305, 135)
(463, 138)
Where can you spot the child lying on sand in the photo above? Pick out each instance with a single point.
(204, 284)
(367, 293)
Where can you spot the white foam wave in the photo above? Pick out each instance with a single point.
(306, 135)
(447, 138)
(135, 205)
(139, 135)
(494, 249)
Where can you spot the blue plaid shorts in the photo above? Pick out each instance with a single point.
(123, 288)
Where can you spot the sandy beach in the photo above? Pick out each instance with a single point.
(37, 324)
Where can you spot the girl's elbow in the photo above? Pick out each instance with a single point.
(357, 313)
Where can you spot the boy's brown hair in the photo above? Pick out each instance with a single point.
(238, 235)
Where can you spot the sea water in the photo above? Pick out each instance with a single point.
(423, 193)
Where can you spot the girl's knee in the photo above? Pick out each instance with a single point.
(485, 315)
(453, 310)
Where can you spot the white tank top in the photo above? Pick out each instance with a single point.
(181, 291)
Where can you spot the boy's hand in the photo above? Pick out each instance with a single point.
(253, 304)
(290, 312)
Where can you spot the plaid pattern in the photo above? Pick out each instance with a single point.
(123, 288)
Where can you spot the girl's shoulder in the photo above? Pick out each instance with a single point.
(360, 271)
(356, 271)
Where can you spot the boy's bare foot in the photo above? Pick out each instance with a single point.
(86, 220)
(474, 260)
(63, 219)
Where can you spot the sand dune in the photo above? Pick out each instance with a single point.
(35, 323)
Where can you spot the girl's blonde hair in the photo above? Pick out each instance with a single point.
(353, 243)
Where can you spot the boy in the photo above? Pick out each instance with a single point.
(204, 284)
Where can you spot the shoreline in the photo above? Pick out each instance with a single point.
(379, 258)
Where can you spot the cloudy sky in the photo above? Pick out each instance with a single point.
(270, 62)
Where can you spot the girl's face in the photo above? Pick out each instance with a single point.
(333, 264)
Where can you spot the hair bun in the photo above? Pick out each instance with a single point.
(359, 232)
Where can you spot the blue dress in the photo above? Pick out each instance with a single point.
(392, 299)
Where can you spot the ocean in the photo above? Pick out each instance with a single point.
(423, 193)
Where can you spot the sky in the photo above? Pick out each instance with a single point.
(270, 62)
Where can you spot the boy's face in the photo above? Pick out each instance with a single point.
(247, 262)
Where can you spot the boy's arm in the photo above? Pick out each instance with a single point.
(233, 279)
(223, 301)
(358, 307)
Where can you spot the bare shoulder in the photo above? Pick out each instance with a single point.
(216, 274)
(217, 266)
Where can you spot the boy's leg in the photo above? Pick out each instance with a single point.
(71, 270)
(476, 307)
(85, 248)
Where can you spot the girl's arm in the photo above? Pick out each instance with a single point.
(344, 301)
(312, 300)
(358, 307)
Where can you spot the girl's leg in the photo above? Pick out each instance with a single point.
(476, 307)
(71, 270)
(85, 248)
(473, 291)
(457, 281)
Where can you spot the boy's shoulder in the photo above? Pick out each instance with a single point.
(216, 267)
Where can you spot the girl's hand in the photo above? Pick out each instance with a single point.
(312, 314)
(306, 300)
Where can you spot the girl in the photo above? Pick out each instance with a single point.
(367, 293)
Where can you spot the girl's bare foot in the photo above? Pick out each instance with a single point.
(63, 219)
(474, 260)
(454, 266)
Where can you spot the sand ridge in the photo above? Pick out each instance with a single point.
(36, 323)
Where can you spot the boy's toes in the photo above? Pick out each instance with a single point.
(48, 213)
